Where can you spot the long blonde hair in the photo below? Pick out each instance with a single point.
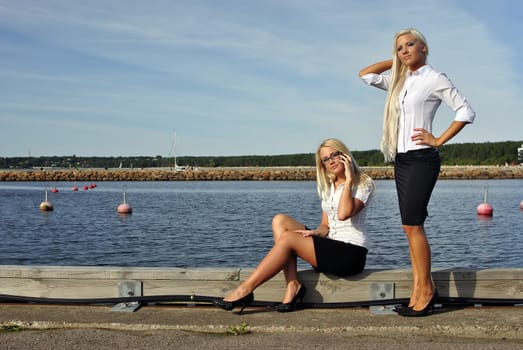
(324, 178)
(391, 113)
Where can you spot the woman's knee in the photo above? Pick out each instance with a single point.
(278, 225)
(279, 220)
(412, 230)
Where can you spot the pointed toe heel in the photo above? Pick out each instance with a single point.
(428, 310)
(230, 305)
(288, 307)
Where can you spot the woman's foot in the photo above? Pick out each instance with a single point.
(230, 305)
(425, 311)
(412, 300)
(290, 292)
(238, 297)
(238, 293)
(292, 296)
(422, 303)
(415, 297)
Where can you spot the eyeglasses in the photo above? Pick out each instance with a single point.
(333, 156)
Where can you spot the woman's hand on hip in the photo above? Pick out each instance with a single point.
(423, 137)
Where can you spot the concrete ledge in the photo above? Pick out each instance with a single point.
(102, 282)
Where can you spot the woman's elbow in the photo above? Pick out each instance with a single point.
(343, 217)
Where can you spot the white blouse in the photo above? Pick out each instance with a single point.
(422, 93)
(353, 229)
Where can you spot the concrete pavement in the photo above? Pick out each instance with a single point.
(35, 326)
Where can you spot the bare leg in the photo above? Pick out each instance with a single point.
(287, 246)
(282, 225)
(421, 266)
(415, 277)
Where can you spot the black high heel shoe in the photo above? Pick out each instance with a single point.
(428, 310)
(288, 307)
(229, 305)
(398, 308)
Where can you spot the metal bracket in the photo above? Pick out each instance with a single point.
(129, 289)
(382, 291)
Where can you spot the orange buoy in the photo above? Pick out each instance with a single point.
(54, 190)
(124, 208)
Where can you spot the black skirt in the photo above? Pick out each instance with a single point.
(339, 258)
(415, 174)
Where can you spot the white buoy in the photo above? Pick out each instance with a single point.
(124, 208)
(485, 209)
(46, 205)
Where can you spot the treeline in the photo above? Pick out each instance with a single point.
(489, 153)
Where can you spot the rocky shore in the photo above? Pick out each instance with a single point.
(241, 174)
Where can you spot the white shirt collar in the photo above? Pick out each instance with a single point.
(418, 71)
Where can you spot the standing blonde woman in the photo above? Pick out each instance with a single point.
(337, 246)
(414, 92)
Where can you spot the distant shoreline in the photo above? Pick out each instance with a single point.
(240, 174)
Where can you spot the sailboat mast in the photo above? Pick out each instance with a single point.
(173, 150)
(175, 165)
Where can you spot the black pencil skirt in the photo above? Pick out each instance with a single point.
(415, 173)
(339, 258)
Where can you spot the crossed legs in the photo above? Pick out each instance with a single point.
(288, 245)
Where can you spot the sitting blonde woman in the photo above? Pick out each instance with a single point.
(337, 246)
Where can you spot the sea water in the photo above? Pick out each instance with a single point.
(228, 224)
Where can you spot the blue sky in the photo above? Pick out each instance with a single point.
(121, 78)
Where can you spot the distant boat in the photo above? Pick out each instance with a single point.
(173, 150)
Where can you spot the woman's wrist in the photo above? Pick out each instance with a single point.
(319, 233)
